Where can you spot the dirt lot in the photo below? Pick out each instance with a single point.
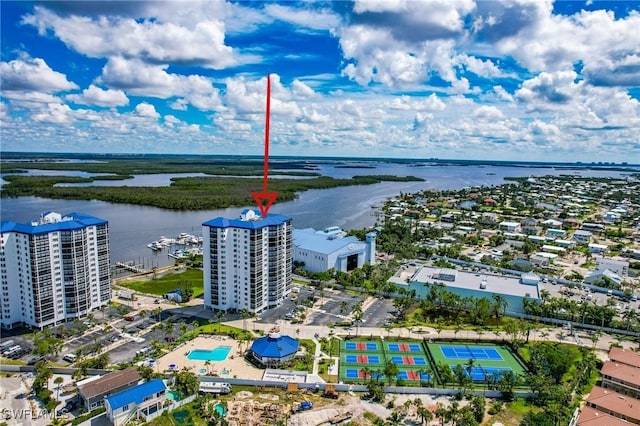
(357, 407)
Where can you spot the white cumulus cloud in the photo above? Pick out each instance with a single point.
(97, 96)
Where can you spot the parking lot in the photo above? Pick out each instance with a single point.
(328, 308)
(582, 295)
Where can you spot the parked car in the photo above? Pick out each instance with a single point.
(71, 404)
(34, 359)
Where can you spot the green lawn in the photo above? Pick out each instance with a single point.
(169, 282)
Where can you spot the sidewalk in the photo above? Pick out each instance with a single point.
(309, 331)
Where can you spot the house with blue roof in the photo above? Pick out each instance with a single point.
(138, 402)
(332, 248)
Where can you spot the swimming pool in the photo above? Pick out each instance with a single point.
(220, 410)
(217, 354)
(172, 395)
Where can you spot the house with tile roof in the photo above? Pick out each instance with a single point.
(93, 391)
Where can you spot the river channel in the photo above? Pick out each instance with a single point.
(132, 227)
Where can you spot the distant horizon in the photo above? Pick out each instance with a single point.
(315, 157)
(545, 80)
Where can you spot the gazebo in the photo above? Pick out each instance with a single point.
(274, 348)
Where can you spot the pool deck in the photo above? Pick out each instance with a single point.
(236, 366)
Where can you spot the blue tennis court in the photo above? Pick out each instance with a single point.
(408, 360)
(413, 375)
(362, 359)
(403, 347)
(361, 346)
(479, 373)
(475, 352)
(356, 373)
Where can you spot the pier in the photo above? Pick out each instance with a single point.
(131, 268)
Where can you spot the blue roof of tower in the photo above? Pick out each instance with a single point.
(272, 219)
(69, 222)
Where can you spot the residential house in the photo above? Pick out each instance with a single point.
(543, 258)
(532, 230)
(611, 217)
(614, 404)
(598, 248)
(593, 227)
(622, 378)
(582, 236)
(567, 244)
(556, 233)
(616, 401)
(138, 402)
(489, 218)
(552, 223)
(625, 356)
(529, 221)
(93, 391)
(590, 416)
(509, 226)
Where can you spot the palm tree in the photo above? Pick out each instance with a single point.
(219, 317)
(500, 305)
(457, 328)
(441, 412)
(244, 315)
(58, 381)
(395, 419)
(629, 315)
(344, 307)
(424, 414)
(469, 366)
(366, 371)
(357, 316)
(438, 327)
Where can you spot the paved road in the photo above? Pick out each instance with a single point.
(554, 334)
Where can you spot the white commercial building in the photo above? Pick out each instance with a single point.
(247, 262)
(620, 267)
(53, 270)
(331, 248)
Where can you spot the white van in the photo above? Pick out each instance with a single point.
(69, 358)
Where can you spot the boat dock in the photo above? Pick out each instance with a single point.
(131, 268)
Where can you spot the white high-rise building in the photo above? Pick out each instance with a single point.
(53, 270)
(247, 262)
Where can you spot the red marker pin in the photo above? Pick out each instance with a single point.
(265, 199)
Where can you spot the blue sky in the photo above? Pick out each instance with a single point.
(498, 80)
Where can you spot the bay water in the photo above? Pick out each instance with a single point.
(132, 227)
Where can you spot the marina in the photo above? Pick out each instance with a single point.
(183, 240)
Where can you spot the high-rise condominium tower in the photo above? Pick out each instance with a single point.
(53, 270)
(247, 262)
